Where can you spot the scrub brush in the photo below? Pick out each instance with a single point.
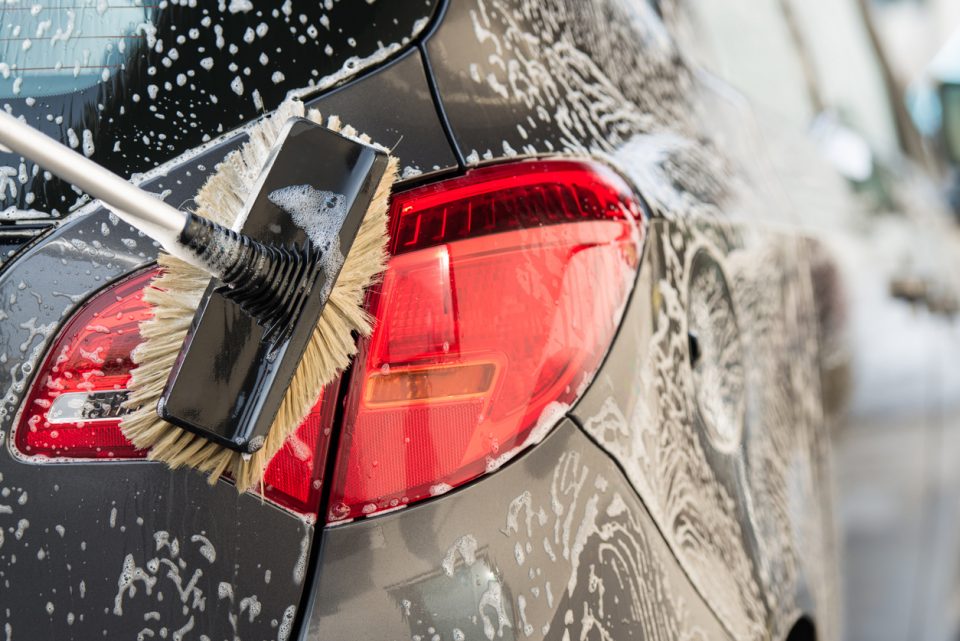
(269, 283)
(176, 293)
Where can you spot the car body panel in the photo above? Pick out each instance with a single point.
(746, 511)
(14, 237)
(554, 546)
(394, 106)
(559, 76)
(743, 517)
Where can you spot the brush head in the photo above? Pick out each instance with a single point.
(252, 327)
(183, 295)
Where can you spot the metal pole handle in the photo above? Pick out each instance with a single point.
(142, 210)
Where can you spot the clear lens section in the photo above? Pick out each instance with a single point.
(87, 407)
(503, 297)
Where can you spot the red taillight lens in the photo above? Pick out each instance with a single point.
(295, 473)
(72, 410)
(503, 295)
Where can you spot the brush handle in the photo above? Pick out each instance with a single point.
(139, 208)
(270, 283)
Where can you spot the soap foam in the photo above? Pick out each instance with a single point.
(320, 214)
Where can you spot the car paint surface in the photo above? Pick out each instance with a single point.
(690, 147)
(745, 508)
(554, 546)
(394, 106)
(748, 518)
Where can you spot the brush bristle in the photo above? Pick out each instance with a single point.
(176, 293)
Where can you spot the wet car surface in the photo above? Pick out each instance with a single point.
(677, 488)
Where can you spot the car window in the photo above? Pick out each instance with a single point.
(748, 43)
(134, 83)
(848, 69)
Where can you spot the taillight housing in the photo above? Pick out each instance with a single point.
(73, 408)
(503, 294)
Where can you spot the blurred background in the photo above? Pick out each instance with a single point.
(874, 86)
(898, 472)
(898, 469)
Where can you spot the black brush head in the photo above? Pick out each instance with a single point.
(252, 327)
(271, 284)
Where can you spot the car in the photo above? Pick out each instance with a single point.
(608, 357)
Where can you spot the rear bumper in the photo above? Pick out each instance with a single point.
(556, 545)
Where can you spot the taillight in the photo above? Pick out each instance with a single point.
(73, 408)
(504, 291)
(503, 294)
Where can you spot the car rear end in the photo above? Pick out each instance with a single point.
(462, 479)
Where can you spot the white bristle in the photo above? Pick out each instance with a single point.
(180, 286)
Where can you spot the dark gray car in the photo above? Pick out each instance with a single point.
(593, 406)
